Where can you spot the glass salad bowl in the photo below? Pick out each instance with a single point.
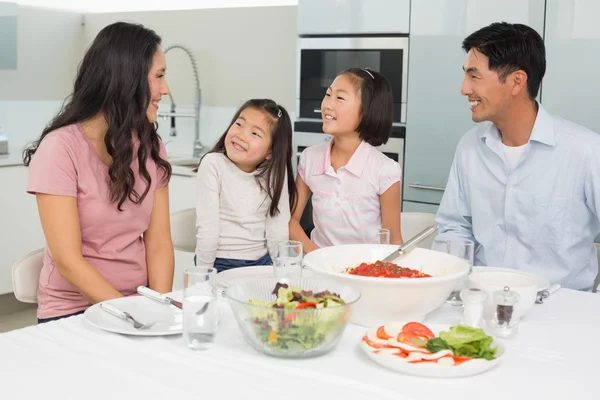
(292, 318)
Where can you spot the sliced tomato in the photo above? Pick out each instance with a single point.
(410, 339)
(419, 330)
(289, 317)
(377, 345)
(308, 304)
(423, 362)
(459, 360)
(381, 334)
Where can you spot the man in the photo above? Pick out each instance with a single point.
(524, 185)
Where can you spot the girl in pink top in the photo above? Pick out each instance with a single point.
(100, 175)
(355, 188)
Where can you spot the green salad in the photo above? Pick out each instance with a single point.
(283, 324)
(464, 341)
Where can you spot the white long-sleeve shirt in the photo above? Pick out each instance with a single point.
(232, 213)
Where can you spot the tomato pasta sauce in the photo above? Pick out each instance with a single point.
(382, 269)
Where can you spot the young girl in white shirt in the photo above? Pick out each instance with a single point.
(245, 188)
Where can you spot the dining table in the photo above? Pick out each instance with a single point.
(553, 356)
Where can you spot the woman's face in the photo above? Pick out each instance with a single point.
(158, 83)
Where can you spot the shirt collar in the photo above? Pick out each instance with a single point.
(542, 132)
(355, 165)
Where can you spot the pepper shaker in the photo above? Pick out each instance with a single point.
(504, 323)
(474, 302)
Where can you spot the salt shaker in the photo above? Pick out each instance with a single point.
(504, 323)
(474, 302)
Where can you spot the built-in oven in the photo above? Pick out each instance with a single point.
(320, 59)
(305, 135)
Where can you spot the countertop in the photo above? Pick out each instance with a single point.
(182, 165)
(13, 158)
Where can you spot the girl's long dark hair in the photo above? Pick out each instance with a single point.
(272, 172)
(112, 80)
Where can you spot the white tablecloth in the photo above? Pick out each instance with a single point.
(554, 357)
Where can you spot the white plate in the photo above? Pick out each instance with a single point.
(468, 368)
(543, 283)
(236, 275)
(168, 318)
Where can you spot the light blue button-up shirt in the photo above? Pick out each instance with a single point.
(543, 215)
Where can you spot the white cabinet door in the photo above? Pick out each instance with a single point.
(571, 89)
(20, 227)
(353, 17)
(182, 195)
(437, 114)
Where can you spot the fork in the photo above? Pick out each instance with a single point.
(137, 324)
(109, 308)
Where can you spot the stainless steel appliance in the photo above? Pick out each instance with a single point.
(308, 134)
(334, 36)
(320, 59)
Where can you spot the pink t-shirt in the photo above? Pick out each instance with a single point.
(111, 241)
(345, 203)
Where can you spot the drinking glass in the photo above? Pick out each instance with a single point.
(287, 262)
(200, 307)
(461, 248)
(377, 236)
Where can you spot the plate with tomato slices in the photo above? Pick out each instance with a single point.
(432, 350)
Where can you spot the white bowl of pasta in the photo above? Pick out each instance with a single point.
(389, 295)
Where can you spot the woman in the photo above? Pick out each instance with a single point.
(100, 176)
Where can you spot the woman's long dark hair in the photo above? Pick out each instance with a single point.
(112, 80)
(272, 172)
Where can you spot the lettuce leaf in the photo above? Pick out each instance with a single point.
(464, 341)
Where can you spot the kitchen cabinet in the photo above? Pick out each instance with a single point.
(182, 195)
(318, 17)
(182, 192)
(570, 88)
(437, 114)
(8, 35)
(412, 206)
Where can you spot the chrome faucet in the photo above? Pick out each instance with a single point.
(198, 147)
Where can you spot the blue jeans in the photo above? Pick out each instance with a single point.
(43, 320)
(223, 264)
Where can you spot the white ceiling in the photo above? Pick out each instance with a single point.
(100, 6)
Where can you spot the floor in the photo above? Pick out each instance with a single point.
(14, 314)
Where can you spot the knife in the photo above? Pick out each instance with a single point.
(407, 246)
(541, 296)
(154, 295)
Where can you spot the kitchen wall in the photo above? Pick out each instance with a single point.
(49, 47)
(241, 52)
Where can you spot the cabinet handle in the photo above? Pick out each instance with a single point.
(317, 110)
(425, 187)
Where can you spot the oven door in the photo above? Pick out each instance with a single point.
(321, 59)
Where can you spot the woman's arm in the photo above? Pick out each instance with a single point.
(390, 212)
(296, 231)
(160, 257)
(60, 222)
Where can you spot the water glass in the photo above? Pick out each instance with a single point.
(287, 262)
(461, 248)
(377, 236)
(200, 307)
